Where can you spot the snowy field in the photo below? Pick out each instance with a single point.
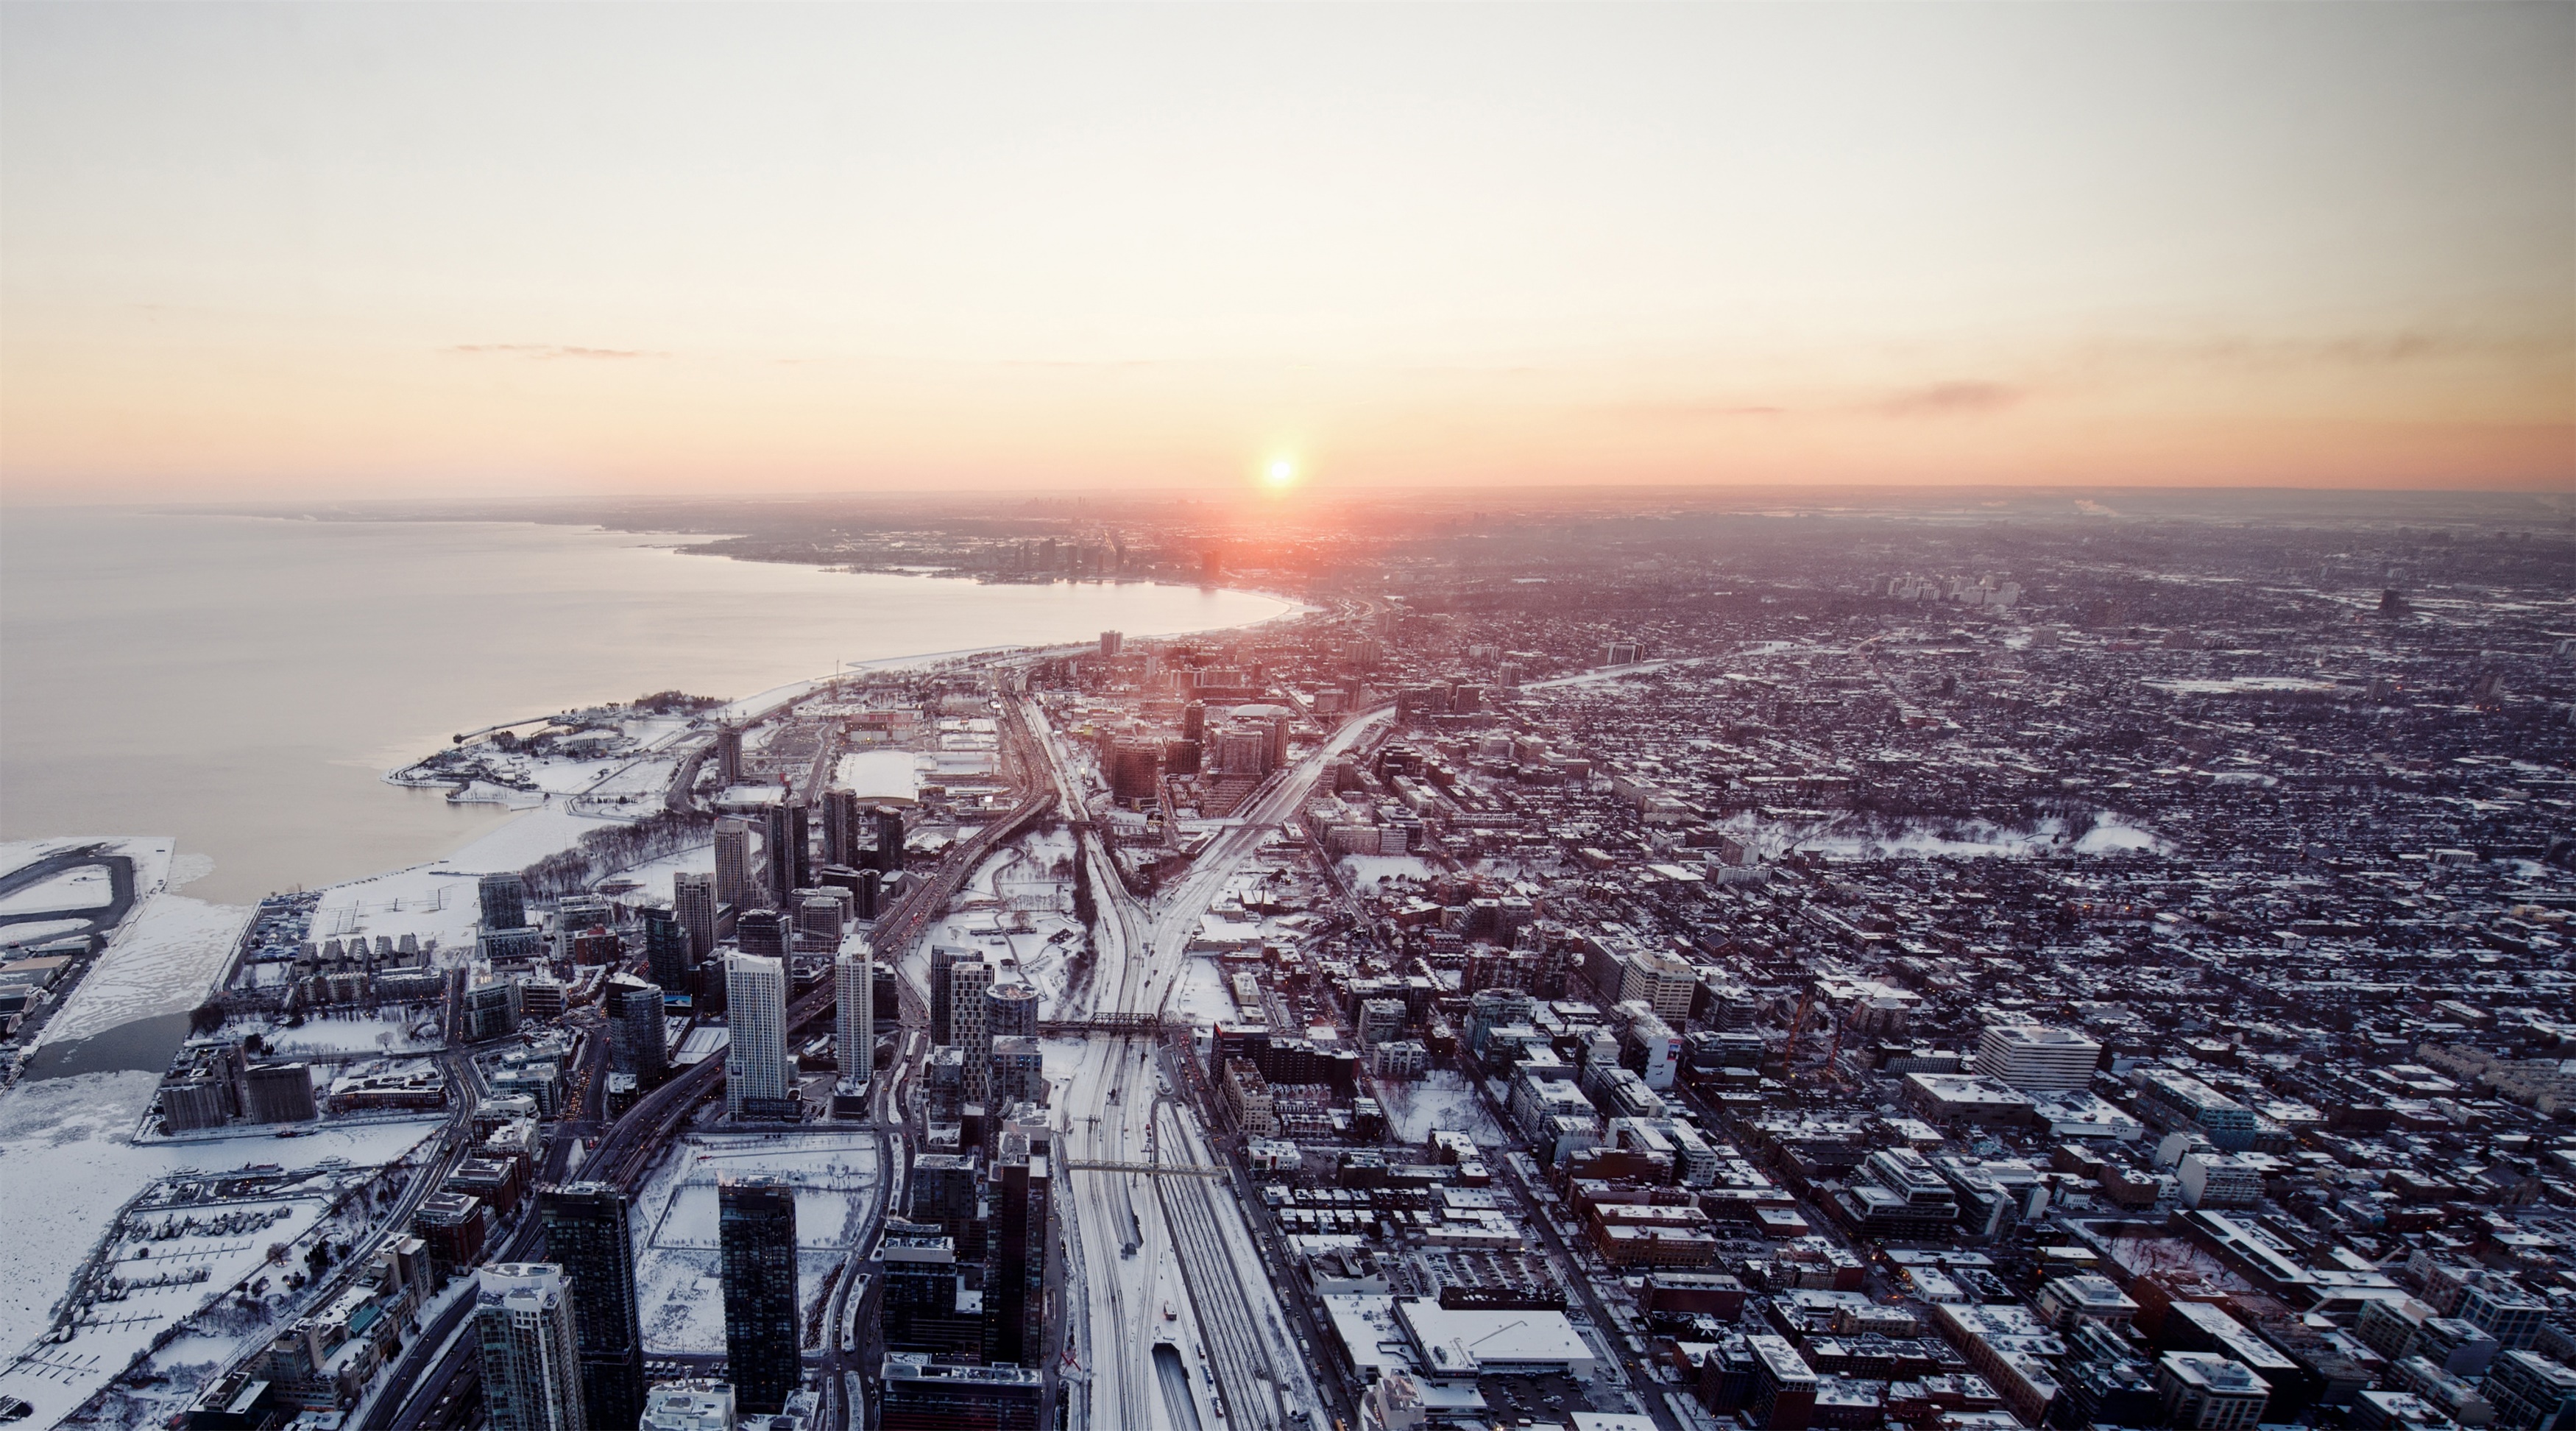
(329, 1035)
(1017, 908)
(1368, 871)
(73, 1137)
(1971, 839)
(1441, 1101)
(161, 960)
(677, 1278)
(1203, 997)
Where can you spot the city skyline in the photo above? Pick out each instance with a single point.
(315, 252)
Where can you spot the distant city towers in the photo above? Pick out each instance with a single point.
(1111, 642)
(756, 1238)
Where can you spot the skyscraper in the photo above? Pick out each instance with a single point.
(756, 1235)
(693, 901)
(841, 827)
(729, 755)
(791, 862)
(766, 932)
(889, 839)
(635, 1041)
(854, 1013)
(590, 1234)
(756, 1077)
(733, 864)
(667, 957)
(943, 1023)
(523, 1321)
(1010, 1011)
(966, 985)
(505, 901)
(1015, 1292)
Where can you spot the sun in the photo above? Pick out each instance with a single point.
(1281, 472)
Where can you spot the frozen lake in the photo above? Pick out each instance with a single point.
(244, 683)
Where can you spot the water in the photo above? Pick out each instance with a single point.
(242, 684)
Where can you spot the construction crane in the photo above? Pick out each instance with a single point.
(1797, 1026)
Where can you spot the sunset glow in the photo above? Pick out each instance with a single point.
(278, 250)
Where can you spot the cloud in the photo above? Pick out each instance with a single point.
(1950, 399)
(553, 350)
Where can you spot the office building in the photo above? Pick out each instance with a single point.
(765, 932)
(590, 1235)
(889, 850)
(2037, 1059)
(636, 1043)
(758, 1079)
(2206, 1392)
(691, 1404)
(670, 953)
(1015, 1294)
(841, 830)
(756, 1237)
(2177, 1102)
(733, 865)
(693, 903)
(504, 901)
(2498, 1308)
(2531, 1393)
(854, 1014)
(791, 860)
(925, 1395)
(531, 1376)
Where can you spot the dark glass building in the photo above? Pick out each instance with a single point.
(756, 1232)
(590, 1234)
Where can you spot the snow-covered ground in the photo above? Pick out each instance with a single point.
(73, 1138)
(1366, 871)
(81, 887)
(1441, 1100)
(1974, 839)
(677, 1280)
(1203, 997)
(328, 1034)
(161, 960)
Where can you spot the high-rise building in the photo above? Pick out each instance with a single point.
(943, 957)
(1194, 721)
(1015, 1293)
(1112, 642)
(756, 1235)
(693, 902)
(505, 901)
(854, 1014)
(635, 1039)
(791, 862)
(590, 1234)
(889, 851)
(1134, 770)
(765, 932)
(669, 958)
(2035, 1058)
(1017, 1074)
(523, 1320)
(967, 984)
(733, 865)
(729, 755)
(841, 827)
(278, 1093)
(757, 1080)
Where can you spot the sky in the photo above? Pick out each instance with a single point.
(345, 251)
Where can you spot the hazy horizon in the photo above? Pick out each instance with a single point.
(309, 253)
